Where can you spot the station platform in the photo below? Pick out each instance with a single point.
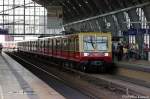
(141, 65)
(16, 82)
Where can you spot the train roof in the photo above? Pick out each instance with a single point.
(63, 36)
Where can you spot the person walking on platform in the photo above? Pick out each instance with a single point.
(120, 51)
(125, 52)
(136, 51)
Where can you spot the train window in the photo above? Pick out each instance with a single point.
(72, 44)
(58, 44)
(47, 46)
(102, 43)
(50, 43)
(54, 44)
(65, 45)
(46, 43)
(42, 44)
(89, 43)
(76, 44)
(73, 41)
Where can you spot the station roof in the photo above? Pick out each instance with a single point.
(74, 10)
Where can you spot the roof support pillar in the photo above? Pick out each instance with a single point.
(139, 37)
(134, 18)
(146, 10)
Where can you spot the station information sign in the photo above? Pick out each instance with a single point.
(136, 31)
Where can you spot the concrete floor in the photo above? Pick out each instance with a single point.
(18, 83)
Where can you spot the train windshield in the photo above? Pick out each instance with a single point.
(89, 43)
(93, 43)
(102, 43)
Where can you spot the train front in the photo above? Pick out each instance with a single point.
(96, 51)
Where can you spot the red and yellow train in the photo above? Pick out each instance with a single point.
(85, 51)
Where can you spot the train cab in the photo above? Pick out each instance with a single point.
(95, 50)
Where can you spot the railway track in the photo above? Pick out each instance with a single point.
(94, 85)
(140, 77)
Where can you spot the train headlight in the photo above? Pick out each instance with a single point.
(86, 54)
(106, 54)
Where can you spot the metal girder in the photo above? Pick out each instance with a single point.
(76, 7)
(82, 9)
(69, 7)
(147, 13)
(134, 18)
(44, 2)
(86, 26)
(102, 24)
(92, 6)
(110, 13)
(115, 5)
(98, 5)
(103, 6)
(66, 11)
(121, 20)
(96, 26)
(120, 4)
(16, 7)
(113, 26)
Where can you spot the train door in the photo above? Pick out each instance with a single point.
(30, 46)
(44, 47)
(64, 47)
(47, 45)
(52, 40)
(41, 46)
(54, 47)
(72, 47)
(48, 42)
(37, 45)
(77, 47)
(59, 46)
(50, 46)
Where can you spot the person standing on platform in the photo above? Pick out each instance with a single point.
(1, 47)
(125, 52)
(120, 51)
